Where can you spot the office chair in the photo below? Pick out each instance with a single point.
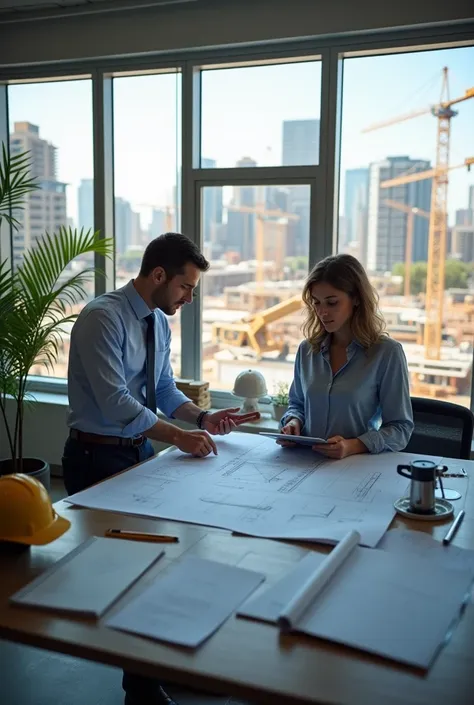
(441, 428)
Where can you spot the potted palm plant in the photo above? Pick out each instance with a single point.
(35, 306)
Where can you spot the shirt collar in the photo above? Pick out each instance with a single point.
(138, 305)
(327, 342)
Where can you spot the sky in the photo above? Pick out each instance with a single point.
(242, 114)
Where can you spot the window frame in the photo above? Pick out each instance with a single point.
(322, 178)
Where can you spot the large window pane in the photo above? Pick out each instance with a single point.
(61, 152)
(257, 239)
(389, 226)
(147, 163)
(268, 113)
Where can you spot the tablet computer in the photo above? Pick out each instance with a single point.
(300, 440)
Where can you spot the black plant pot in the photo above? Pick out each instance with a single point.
(34, 467)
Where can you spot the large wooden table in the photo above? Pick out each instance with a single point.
(246, 659)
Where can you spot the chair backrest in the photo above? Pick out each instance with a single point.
(441, 428)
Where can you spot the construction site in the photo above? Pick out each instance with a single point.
(252, 310)
(257, 322)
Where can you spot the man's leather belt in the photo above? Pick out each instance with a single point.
(105, 440)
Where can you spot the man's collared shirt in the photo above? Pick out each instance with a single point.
(107, 366)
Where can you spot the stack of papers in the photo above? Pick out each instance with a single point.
(90, 578)
(188, 603)
(388, 603)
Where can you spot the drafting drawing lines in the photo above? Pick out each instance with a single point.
(230, 501)
(280, 479)
(363, 489)
(305, 518)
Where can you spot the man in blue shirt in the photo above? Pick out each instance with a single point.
(120, 373)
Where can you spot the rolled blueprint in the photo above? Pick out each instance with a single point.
(305, 595)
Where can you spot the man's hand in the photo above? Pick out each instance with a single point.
(292, 428)
(222, 422)
(197, 443)
(338, 447)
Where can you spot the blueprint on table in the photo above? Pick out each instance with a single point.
(255, 487)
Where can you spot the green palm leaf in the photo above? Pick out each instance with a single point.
(36, 299)
(43, 267)
(15, 184)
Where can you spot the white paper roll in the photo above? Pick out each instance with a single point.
(303, 597)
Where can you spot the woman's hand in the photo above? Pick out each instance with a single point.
(292, 428)
(338, 447)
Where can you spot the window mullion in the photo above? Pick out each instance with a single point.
(190, 124)
(102, 107)
(324, 199)
(6, 244)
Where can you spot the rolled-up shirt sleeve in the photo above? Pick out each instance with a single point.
(168, 396)
(296, 397)
(103, 366)
(395, 405)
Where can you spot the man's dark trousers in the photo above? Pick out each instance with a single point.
(85, 464)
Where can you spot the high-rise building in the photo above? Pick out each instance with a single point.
(85, 204)
(355, 208)
(246, 162)
(300, 142)
(123, 225)
(464, 216)
(463, 243)
(158, 223)
(240, 225)
(211, 215)
(44, 209)
(300, 147)
(387, 226)
(136, 235)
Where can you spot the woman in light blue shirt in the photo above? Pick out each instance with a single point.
(351, 380)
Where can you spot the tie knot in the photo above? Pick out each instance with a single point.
(150, 319)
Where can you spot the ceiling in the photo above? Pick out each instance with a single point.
(21, 6)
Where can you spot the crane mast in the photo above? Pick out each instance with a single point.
(438, 227)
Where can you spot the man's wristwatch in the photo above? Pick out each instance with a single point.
(200, 418)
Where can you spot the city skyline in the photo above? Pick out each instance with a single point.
(260, 260)
(375, 231)
(243, 113)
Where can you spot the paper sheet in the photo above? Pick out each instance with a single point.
(255, 487)
(426, 548)
(309, 589)
(188, 603)
(90, 578)
(390, 604)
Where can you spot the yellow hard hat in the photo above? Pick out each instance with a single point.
(26, 512)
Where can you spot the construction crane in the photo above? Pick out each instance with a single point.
(411, 211)
(253, 332)
(263, 214)
(434, 299)
(169, 211)
(438, 212)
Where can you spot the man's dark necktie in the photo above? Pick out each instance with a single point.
(150, 363)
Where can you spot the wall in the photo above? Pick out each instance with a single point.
(202, 24)
(45, 429)
(208, 23)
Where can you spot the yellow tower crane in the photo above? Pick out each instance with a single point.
(438, 213)
(262, 215)
(169, 212)
(411, 211)
(253, 331)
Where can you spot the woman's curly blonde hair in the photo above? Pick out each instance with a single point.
(345, 273)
